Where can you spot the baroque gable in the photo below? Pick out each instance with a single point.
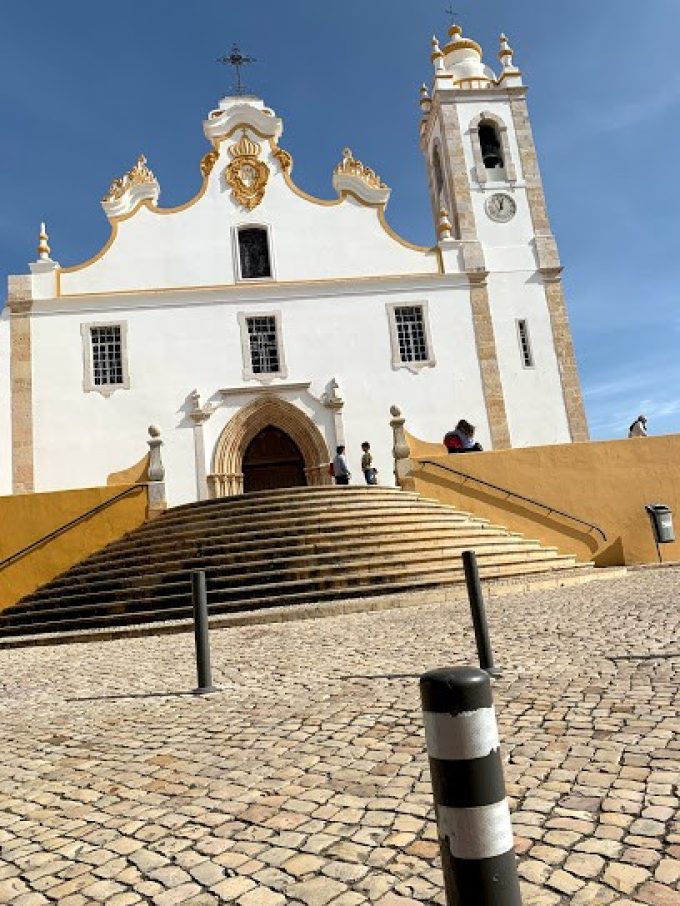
(246, 180)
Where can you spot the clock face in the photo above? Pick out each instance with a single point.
(501, 207)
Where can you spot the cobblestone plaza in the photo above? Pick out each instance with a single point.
(303, 780)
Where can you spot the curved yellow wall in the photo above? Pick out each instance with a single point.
(604, 482)
(27, 517)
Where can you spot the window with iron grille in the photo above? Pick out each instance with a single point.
(411, 333)
(107, 355)
(525, 344)
(264, 348)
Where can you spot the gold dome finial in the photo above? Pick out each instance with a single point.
(458, 42)
(43, 247)
(444, 227)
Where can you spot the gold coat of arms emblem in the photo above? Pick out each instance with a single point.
(246, 175)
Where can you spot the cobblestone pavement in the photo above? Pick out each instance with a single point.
(304, 781)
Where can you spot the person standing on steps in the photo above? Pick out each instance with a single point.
(367, 467)
(340, 468)
(639, 427)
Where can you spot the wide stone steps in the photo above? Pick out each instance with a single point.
(271, 575)
(234, 558)
(280, 547)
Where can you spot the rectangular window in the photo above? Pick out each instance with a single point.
(107, 356)
(411, 333)
(253, 251)
(525, 344)
(264, 348)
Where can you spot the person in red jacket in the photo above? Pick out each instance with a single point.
(462, 439)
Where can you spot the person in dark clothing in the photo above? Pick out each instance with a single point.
(462, 439)
(340, 467)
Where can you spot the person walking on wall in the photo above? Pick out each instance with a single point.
(462, 439)
(638, 428)
(340, 467)
(367, 467)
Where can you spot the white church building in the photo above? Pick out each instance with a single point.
(260, 327)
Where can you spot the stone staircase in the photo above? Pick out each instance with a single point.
(292, 546)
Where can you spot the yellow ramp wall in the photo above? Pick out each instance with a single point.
(27, 517)
(604, 482)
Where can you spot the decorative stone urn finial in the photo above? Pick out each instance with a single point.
(444, 227)
(156, 474)
(401, 452)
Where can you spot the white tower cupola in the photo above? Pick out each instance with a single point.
(462, 59)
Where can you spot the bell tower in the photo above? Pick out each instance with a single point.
(488, 205)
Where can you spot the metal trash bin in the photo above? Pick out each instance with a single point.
(661, 518)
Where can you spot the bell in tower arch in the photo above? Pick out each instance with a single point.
(491, 146)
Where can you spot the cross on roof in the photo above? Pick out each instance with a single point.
(237, 59)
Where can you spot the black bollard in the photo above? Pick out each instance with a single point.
(473, 818)
(474, 589)
(200, 600)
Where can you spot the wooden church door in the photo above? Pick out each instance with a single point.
(272, 460)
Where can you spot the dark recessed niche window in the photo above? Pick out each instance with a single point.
(253, 250)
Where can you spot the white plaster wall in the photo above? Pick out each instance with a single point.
(5, 410)
(533, 396)
(156, 249)
(81, 437)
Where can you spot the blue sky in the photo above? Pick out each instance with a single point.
(86, 87)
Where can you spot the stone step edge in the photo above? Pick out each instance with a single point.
(282, 494)
(493, 588)
(388, 553)
(309, 534)
(305, 515)
(69, 612)
(420, 565)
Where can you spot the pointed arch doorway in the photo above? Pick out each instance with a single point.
(269, 443)
(272, 460)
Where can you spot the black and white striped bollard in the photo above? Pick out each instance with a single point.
(473, 817)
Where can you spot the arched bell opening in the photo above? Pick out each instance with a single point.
(490, 143)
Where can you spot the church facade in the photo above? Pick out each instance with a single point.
(260, 327)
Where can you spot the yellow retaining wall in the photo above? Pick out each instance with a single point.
(27, 517)
(605, 482)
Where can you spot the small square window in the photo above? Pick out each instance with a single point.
(105, 357)
(262, 346)
(411, 333)
(264, 349)
(410, 336)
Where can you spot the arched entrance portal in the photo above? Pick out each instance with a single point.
(237, 452)
(272, 460)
